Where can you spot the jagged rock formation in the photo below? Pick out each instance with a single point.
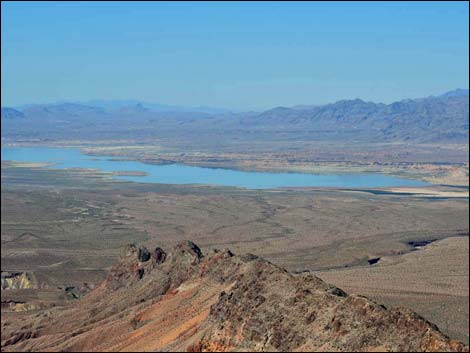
(184, 301)
(17, 280)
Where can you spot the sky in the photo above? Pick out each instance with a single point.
(236, 55)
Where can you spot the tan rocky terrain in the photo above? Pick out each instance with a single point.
(433, 281)
(186, 301)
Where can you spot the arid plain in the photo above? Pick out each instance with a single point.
(63, 229)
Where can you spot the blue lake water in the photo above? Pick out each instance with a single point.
(181, 174)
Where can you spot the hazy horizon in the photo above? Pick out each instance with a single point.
(130, 102)
(236, 56)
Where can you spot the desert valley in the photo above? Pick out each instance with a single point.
(323, 225)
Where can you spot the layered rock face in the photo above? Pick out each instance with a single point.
(181, 300)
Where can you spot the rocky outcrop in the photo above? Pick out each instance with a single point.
(18, 305)
(17, 280)
(159, 255)
(186, 301)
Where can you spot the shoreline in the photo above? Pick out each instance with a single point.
(426, 191)
(437, 173)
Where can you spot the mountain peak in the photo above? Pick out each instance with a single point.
(459, 92)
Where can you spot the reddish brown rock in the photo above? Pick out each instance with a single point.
(184, 301)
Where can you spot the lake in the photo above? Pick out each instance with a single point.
(180, 174)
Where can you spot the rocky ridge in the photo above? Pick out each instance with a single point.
(182, 300)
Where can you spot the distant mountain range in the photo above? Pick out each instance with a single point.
(429, 119)
(443, 118)
(129, 104)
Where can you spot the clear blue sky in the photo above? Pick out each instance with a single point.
(235, 55)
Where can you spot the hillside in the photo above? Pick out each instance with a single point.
(186, 301)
